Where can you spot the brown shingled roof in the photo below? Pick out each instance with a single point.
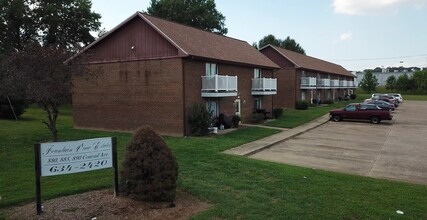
(199, 43)
(307, 62)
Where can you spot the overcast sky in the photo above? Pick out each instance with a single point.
(357, 34)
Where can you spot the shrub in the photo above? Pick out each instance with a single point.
(225, 120)
(150, 170)
(236, 119)
(200, 120)
(353, 96)
(6, 112)
(277, 112)
(339, 98)
(258, 117)
(301, 105)
(330, 101)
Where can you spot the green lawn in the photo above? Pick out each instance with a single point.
(293, 118)
(238, 187)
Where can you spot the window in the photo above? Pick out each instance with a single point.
(257, 73)
(351, 108)
(213, 107)
(211, 69)
(303, 95)
(257, 103)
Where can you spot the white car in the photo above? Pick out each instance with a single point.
(397, 96)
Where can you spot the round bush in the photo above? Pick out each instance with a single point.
(150, 170)
(301, 105)
(6, 112)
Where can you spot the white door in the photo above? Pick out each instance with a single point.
(237, 107)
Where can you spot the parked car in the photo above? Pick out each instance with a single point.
(397, 96)
(381, 104)
(361, 111)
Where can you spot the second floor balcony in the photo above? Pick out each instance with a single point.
(264, 86)
(219, 86)
(323, 83)
(308, 82)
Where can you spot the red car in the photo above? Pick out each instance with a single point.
(361, 111)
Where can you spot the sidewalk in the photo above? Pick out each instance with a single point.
(259, 145)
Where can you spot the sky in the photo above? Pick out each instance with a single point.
(357, 34)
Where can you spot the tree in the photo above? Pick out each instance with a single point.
(16, 25)
(39, 73)
(391, 83)
(288, 43)
(59, 23)
(369, 82)
(420, 78)
(196, 13)
(291, 44)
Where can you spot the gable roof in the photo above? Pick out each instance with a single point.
(311, 63)
(193, 42)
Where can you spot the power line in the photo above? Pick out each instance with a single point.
(380, 58)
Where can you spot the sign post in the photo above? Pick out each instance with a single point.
(58, 158)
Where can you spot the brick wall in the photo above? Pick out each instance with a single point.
(194, 69)
(129, 94)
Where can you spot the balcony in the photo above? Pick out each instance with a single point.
(335, 83)
(323, 83)
(219, 86)
(264, 86)
(308, 82)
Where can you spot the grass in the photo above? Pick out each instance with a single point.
(239, 188)
(293, 118)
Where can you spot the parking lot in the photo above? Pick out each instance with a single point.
(394, 149)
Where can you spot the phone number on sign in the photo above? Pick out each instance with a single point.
(82, 166)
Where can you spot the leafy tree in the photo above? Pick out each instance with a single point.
(196, 13)
(369, 82)
(288, 43)
(59, 23)
(291, 44)
(420, 78)
(66, 23)
(16, 25)
(403, 83)
(40, 75)
(391, 83)
(269, 39)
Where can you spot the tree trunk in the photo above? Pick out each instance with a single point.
(52, 115)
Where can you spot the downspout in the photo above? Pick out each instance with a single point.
(183, 97)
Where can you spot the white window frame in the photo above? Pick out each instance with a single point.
(209, 107)
(211, 69)
(258, 103)
(257, 73)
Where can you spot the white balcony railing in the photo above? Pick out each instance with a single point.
(323, 83)
(335, 83)
(222, 85)
(308, 82)
(264, 84)
(343, 83)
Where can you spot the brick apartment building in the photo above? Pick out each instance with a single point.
(152, 71)
(307, 78)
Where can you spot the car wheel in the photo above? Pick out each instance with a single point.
(375, 120)
(336, 118)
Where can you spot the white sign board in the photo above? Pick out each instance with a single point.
(59, 158)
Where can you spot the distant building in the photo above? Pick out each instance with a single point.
(383, 76)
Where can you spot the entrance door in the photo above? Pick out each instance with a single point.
(237, 107)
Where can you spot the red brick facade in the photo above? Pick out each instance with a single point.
(127, 95)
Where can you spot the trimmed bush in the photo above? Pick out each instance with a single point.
(353, 96)
(277, 112)
(236, 119)
(200, 120)
(301, 105)
(150, 170)
(6, 112)
(258, 118)
(328, 102)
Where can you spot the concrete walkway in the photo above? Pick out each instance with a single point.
(286, 134)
